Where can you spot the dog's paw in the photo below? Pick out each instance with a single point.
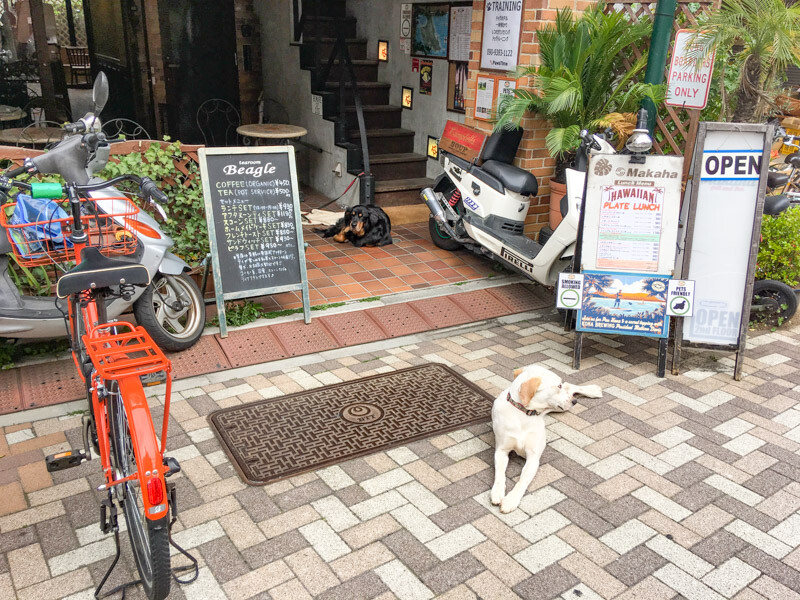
(509, 504)
(496, 496)
(591, 391)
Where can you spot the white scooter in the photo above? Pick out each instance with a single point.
(483, 208)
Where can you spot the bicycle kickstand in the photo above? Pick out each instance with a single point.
(173, 502)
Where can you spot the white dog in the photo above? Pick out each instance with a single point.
(518, 423)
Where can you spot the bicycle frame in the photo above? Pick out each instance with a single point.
(108, 351)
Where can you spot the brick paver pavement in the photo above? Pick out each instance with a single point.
(685, 487)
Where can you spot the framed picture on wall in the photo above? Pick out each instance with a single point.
(433, 147)
(430, 29)
(457, 79)
(484, 97)
(502, 28)
(407, 97)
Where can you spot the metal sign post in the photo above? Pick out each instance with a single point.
(722, 214)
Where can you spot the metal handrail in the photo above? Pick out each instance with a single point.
(320, 78)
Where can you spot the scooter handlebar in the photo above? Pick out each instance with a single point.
(150, 189)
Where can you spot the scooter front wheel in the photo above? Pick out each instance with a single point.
(172, 311)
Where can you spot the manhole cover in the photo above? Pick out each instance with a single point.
(361, 412)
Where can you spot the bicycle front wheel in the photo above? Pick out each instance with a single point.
(149, 539)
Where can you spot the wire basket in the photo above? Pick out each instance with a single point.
(46, 241)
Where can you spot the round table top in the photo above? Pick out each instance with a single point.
(271, 130)
(33, 135)
(11, 115)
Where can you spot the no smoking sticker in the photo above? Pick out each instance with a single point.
(680, 298)
(570, 291)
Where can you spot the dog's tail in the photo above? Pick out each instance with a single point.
(327, 231)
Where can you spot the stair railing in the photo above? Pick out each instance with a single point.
(347, 75)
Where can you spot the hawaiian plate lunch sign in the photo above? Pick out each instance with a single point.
(688, 83)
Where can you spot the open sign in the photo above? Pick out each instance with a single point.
(726, 165)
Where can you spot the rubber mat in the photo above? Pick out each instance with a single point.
(10, 396)
(51, 383)
(205, 356)
(251, 346)
(399, 319)
(273, 439)
(521, 297)
(480, 304)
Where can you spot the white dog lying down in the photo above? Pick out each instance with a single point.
(518, 423)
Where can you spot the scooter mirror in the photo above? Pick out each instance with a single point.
(99, 92)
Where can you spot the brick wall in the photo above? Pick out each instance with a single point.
(532, 154)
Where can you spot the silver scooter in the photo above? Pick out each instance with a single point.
(171, 308)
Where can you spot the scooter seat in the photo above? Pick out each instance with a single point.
(775, 179)
(97, 271)
(515, 179)
(793, 159)
(775, 205)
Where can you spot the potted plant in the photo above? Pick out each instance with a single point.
(756, 40)
(581, 83)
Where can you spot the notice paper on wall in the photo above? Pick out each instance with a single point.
(484, 97)
(460, 33)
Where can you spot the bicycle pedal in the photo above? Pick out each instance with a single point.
(65, 460)
(174, 466)
(151, 379)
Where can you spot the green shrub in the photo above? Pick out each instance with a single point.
(779, 253)
(186, 223)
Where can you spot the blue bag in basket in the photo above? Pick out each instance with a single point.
(42, 219)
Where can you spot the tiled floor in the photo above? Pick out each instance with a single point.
(684, 487)
(57, 381)
(342, 272)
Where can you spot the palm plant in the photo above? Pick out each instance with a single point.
(581, 77)
(759, 38)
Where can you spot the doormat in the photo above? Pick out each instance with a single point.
(278, 438)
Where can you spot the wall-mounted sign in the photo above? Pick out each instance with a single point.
(460, 33)
(624, 303)
(316, 104)
(502, 22)
(433, 147)
(723, 216)
(570, 291)
(425, 76)
(457, 79)
(415, 65)
(688, 85)
(383, 50)
(405, 45)
(430, 27)
(506, 87)
(484, 97)
(407, 97)
(462, 141)
(255, 234)
(405, 20)
(631, 214)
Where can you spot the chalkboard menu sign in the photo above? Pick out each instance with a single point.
(253, 214)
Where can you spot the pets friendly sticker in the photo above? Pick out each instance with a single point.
(680, 298)
(570, 290)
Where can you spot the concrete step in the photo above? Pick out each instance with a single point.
(397, 192)
(371, 92)
(386, 141)
(376, 116)
(327, 8)
(329, 26)
(363, 69)
(405, 165)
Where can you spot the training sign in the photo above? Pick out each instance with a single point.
(570, 291)
(680, 298)
(688, 84)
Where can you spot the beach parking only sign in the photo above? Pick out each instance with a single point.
(688, 83)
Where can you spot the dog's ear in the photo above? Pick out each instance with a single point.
(518, 371)
(528, 389)
(348, 213)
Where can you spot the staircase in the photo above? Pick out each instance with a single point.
(399, 173)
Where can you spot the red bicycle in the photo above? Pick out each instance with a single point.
(111, 357)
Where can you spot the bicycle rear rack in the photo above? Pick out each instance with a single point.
(127, 353)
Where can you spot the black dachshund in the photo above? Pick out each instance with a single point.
(363, 225)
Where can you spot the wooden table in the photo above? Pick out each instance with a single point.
(34, 136)
(13, 115)
(272, 131)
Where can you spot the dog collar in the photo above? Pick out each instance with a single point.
(515, 404)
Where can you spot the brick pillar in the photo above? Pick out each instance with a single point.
(532, 154)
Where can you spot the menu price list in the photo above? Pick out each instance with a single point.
(257, 220)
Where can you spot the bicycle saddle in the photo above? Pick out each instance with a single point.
(98, 271)
(775, 179)
(775, 205)
(793, 159)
